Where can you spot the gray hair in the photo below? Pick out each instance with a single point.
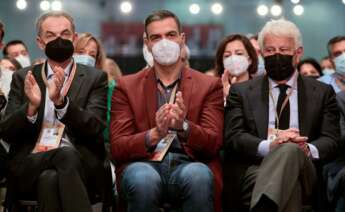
(43, 17)
(281, 28)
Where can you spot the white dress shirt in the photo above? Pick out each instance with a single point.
(264, 146)
(51, 114)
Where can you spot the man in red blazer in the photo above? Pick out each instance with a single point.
(167, 101)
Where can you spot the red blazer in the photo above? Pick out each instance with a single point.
(134, 104)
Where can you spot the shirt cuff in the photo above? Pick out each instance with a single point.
(149, 148)
(32, 119)
(264, 148)
(62, 111)
(314, 151)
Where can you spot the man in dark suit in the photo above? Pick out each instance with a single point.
(54, 121)
(145, 115)
(277, 127)
(3, 152)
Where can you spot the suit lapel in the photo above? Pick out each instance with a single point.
(150, 88)
(186, 87)
(76, 83)
(306, 96)
(260, 91)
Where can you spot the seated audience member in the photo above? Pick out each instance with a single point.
(89, 51)
(236, 61)
(114, 73)
(310, 68)
(10, 64)
(16, 49)
(7, 68)
(327, 66)
(172, 108)
(112, 69)
(334, 172)
(261, 63)
(336, 52)
(3, 151)
(278, 128)
(54, 121)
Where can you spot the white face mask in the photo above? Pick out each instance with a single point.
(328, 71)
(166, 52)
(147, 56)
(5, 79)
(24, 61)
(85, 59)
(340, 64)
(236, 64)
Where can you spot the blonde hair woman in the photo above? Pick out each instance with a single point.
(89, 51)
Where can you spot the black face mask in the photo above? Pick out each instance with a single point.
(279, 67)
(314, 77)
(59, 50)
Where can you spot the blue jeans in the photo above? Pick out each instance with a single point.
(189, 185)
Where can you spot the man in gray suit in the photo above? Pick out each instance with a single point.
(277, 127)
(54, 121)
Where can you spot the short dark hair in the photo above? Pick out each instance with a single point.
(219, 66)
(333, 41)
(2, 31)
(12, 43)
(312, 62)
(159, 15)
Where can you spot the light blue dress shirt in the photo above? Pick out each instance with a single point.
(330, 80)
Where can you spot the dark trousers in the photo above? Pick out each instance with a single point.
(282, 182)
(59, 178)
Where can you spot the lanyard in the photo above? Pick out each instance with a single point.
(67, 83)
(278, 114)
(173, 93)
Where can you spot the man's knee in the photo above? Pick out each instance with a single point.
(68, 156)
(48, 179)
(140, 177)
(196, 175)
(290, 150)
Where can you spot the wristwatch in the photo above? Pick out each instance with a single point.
(185, 125)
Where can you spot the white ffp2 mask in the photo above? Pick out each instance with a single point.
(166, 52)
(24, 61)
(236, 64)
(147, 56)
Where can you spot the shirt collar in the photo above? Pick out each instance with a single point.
(172, 84)
(292, 82)
(67, 70)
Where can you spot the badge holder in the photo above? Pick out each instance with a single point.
(49, 138)
(162, 147)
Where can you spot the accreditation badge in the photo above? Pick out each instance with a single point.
(162, 147)
(50, 137)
